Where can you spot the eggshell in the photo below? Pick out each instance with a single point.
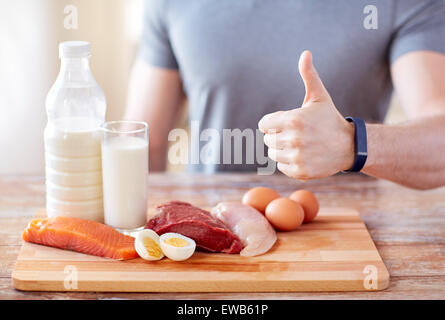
(309, 203)
(260, 197)
(285, 214)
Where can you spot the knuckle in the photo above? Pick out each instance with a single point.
(272, 140)
(301, 127)
(295, 157)
(294, 121)
(297, 173)
(291, 140)
(302, 171)
(301, 144)
(294, 143)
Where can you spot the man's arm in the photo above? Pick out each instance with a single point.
(413, 153)
(155, 96)
(315, 141)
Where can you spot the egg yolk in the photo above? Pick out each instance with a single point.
(152, 247)
(176, 242)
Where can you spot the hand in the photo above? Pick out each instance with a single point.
(313, 141)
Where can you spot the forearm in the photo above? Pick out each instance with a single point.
(157, 142)
(157, 160)
(411, 154)
(155, 96)
(157, 147)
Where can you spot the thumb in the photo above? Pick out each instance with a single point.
(315, 90)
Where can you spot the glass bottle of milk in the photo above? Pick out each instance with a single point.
(76, 108)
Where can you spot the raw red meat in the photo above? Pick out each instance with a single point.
(209, 233)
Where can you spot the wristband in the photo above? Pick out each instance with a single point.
(360, 144)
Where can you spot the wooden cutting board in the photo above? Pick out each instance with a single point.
(333, 253)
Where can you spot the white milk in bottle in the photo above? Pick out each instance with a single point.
(76, 108)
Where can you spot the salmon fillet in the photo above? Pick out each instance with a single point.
(81, 235)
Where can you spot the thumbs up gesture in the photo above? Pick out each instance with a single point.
(313, 141)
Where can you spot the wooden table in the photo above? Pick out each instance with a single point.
(408, 228)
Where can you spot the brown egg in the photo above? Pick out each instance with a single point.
(260, 197)
(285, 214)
(309, 203)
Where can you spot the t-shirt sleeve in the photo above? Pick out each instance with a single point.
(420, 25)
(155, 46)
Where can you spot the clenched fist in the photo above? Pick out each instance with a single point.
(313, 141)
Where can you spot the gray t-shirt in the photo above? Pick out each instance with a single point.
(238, 58)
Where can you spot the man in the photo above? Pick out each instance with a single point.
(236, 60)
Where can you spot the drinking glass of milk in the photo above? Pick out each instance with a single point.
(125, 174)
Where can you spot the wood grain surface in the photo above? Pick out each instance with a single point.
(407, 227)
(332, 253)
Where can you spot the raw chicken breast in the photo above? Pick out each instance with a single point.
(255, 232)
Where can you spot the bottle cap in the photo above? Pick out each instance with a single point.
(74, 49)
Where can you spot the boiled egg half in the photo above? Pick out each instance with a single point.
(147, 245)
(176, 246)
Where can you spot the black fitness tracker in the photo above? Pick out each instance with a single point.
(360, 144)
